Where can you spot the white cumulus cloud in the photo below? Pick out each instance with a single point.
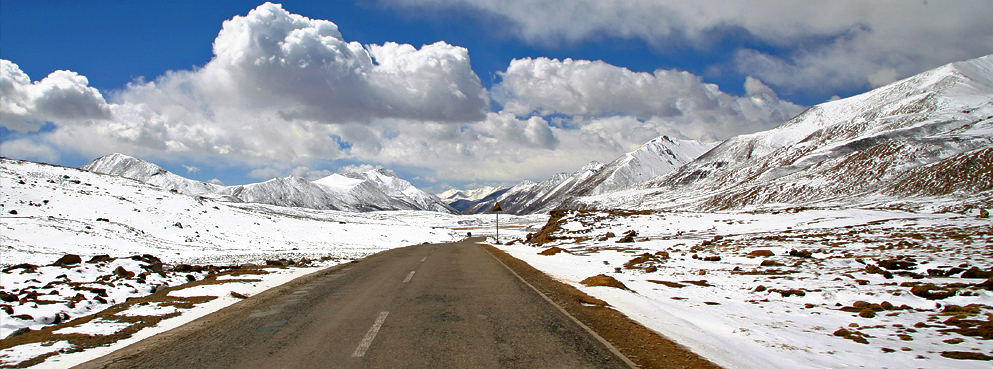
(62, 95)
(596, 89)
(303, 68)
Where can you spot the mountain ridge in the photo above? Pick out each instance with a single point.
(372, 190)
(656, 157)
(850, 151)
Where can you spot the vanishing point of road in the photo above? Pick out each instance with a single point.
(448, 305)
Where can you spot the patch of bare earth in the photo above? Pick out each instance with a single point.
(136, 323)
(644, 347)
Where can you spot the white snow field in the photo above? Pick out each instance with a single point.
(855, 275)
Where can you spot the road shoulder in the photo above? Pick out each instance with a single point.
(644, 347)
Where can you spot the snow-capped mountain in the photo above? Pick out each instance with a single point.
(394, 189)
(925, 137)
(128, 167)
(377, 189)
(287, 191)
(464, 199)
(529, 197)
(520, 193)
(471, 195)
(659, 156)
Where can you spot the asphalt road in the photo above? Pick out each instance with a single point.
(427, 306)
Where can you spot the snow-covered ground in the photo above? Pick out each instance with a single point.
(737, 309)
(107, 327)
(50, 211)
(701, 279)
(133, 239)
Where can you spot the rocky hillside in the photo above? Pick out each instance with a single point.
(925, 141)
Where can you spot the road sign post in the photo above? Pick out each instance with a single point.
(497, 210)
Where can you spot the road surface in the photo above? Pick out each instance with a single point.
(427, 306)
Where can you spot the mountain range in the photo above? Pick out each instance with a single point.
(925, 142)
(659, 156)
(380, 189)
(377, 189)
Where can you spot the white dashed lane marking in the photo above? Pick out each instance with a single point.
(409, 276)
(371, 335)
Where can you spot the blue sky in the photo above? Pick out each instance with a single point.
(516, 89)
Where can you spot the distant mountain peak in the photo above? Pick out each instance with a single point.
(592, 166)
(121, 163)
(382, 171)
(660, 139)
(455, 194)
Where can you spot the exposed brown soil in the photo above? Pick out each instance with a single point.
(544, 235)
(668, 284)
(603, 280)
(81, 342)
(588, 217)
(644, 347)
(966, 355)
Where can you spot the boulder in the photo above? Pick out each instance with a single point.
(8, 297)
(28, 268)
(975, 272)
(100, 258)
(771, 263)
(68, 259)
(123, 273)
(628, 237)
(893, 264)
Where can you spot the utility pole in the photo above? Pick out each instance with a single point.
(497, 210)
